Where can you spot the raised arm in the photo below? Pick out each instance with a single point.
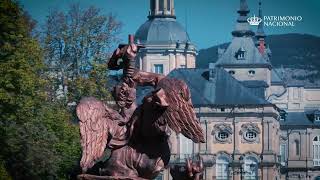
(147, 78)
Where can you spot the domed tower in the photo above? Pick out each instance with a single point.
(167, 43)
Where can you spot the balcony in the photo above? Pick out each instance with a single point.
(230, 178)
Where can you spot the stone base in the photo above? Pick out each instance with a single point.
(94, 177)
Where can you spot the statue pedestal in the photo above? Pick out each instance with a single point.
(94, 177)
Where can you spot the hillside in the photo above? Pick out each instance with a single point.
(288, 50)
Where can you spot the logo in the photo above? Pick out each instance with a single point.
(282, 21)
(275, 21)
(254, 21)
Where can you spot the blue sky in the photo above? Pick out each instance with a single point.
(208, 22)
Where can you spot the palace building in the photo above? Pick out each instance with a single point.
(257, 124)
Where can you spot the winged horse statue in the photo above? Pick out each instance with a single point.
(137, 135)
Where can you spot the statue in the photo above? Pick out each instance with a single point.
(138, 136)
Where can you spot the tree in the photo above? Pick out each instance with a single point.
(37, 138)
(95, 84)
(76, 44)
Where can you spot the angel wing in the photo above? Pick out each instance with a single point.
(180, 114)
(98, 128)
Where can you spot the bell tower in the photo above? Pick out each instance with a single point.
(161, 8)
(167, 43)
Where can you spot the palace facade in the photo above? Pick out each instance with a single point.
(257, 124)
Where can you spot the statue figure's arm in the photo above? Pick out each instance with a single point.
(147, 79)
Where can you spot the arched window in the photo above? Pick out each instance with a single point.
(223, 135)
(232, 72)
(251, 135)
(240, 54)
(222, 168)
(250, 168)
(251, 72)
(297, 146)
(186, 147)
(316, 150)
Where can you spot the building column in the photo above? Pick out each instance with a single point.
(266, 136)
(174, 143)
(178, 143)
(203, 146)
(309, 144)
(171, 62)
(303, 145)
(210, 138)
(236, 135)
(177, 61)
(264, 175)
(156, 11)
(140, 62)
(236, 173)
(172, 8)
(145, 63)
(165, 7)
(270, 135)
(209, 173)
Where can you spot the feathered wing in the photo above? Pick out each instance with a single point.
(97, 121)
(180, 114)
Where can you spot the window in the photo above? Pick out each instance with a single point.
(240, 54)
(183, 66)
(316, 150)
(316, 115)
(250, 135)
(232, 72)
(222, 109)
(223, 135)
(222, 168)
(282, 115)
(186, 147)
(250, 168)
(152, 5)
(283, 154)
(168, 5)
(297, 146)
(158, 68)
(161, 5)
(251, 73)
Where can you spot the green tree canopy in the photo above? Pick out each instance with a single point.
(77, 44)
(37, 139)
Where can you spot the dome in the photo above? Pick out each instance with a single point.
(161, 31)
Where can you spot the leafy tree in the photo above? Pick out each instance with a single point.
(93, 85)
(77, 43)
(37, 139)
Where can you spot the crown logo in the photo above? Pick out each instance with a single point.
(254, 21)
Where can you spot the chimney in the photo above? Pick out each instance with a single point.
(261, 46)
